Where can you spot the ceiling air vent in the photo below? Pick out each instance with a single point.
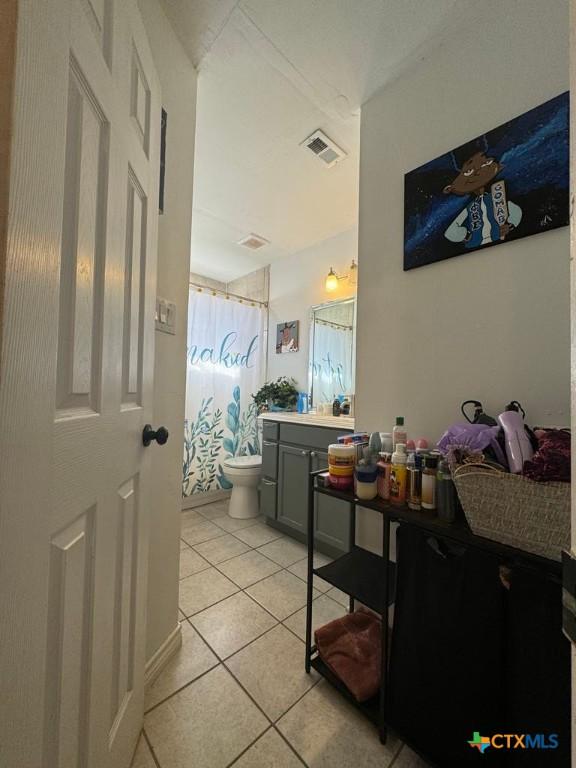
(324, 148)
(253, 242)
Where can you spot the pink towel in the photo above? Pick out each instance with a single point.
(350, 646)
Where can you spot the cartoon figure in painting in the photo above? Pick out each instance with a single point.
(287, 338)
(488, 216)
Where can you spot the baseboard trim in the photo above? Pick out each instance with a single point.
(201, 499)
(162, 656)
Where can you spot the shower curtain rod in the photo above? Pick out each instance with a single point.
(227, 294)
(332, 324)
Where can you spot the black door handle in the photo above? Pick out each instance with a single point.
(160, 435)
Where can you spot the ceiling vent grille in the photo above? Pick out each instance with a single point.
(253, 242)
(324, 148)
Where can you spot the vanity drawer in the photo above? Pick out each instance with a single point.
(269, 459)
(311, 437)
(270, 430)
(268, 496)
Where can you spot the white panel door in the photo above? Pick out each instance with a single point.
(76, 385)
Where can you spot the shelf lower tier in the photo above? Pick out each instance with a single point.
(370, 708)
(358, 573)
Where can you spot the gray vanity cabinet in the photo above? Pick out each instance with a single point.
(293, 469)
(289, 452)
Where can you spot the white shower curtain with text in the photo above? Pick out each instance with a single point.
(224, 368)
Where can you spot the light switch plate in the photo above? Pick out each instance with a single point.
(165, 316)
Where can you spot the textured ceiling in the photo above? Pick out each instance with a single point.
(270, 73)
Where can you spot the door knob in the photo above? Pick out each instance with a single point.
(149, 434)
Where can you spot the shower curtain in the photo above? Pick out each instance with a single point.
(332, 367)
(225, 364)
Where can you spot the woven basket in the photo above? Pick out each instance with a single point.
(514, 510)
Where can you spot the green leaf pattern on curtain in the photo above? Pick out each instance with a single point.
(206, 446)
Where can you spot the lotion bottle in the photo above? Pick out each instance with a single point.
(399, 434)
(398, 475)
(429, 482)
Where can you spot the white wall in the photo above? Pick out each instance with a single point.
(492, 325)
(296, 284)
(178, 82)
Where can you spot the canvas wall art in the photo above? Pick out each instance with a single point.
(287, 337)
(508, 183)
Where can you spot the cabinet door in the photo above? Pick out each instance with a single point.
(332, 519)
(268, 491)
(293, 471)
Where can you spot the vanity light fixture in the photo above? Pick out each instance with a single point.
(332, 279)
(353, 276)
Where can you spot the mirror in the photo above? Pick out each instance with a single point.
(332, 351)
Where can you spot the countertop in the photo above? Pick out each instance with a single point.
(311, 419)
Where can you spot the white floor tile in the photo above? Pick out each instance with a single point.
(204, 589)
(271, 669)
(190, 517)
(222, 548)
(230, 625)
(282, 594)
(339, 596)
(191, 562)
(196, 533)
(213, 511)
(192, 659)
(206, 725)
(270, 751)
(248, 568)
(409, 759)
(329, 733)
(143, 757)
(284, 551)
(323, 610)
(258, 535)
(300, 569)
(233, 524)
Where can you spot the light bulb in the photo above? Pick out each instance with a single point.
(331, 280)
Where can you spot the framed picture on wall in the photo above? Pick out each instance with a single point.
(508, 183)
(287, 337)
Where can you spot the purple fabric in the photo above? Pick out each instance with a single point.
(474, 438)
(552, 459)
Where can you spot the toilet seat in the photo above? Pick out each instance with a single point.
(243, 462)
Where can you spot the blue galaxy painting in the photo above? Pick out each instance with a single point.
(508, 183)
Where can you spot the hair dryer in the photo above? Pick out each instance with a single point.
(518, 445)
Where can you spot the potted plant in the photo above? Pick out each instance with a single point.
(279, 395)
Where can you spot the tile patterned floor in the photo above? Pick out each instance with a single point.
(236, 693)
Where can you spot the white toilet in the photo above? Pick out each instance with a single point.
(244, 474)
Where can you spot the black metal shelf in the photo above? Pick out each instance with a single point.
(369, 708)
(358, 573)
(371, 580)
(458, 531)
